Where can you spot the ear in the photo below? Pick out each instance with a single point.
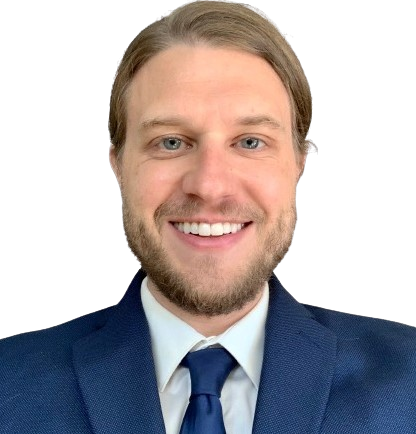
(115, 162)
(310, 147)
(301, 165)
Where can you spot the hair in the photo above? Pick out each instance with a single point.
(216, 24)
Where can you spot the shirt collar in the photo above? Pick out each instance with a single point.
(173, 338)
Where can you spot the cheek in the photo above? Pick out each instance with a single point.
(273, 188)
(148, 185)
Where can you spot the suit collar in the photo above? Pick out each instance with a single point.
(298, 367)
(116, 374)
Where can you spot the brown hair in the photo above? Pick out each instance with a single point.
(217, 24)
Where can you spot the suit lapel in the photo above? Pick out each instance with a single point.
(116, 373)
(298, 366)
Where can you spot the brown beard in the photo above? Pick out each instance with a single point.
(206, 292)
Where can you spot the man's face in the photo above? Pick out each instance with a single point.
(208, 175)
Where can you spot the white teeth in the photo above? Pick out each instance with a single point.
(217, 229)
(206, 229)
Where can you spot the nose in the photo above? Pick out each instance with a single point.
(211, 175)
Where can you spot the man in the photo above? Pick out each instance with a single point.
(209, 115)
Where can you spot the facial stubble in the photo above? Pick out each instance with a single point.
(207, 291)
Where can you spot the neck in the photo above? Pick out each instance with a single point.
(205, 325)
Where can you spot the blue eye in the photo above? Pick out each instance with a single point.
(251, 143)
(171, 143)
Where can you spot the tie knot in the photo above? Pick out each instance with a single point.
(209, 368)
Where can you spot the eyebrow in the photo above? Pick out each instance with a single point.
(161, 122)
(178, 121)
(260, 120)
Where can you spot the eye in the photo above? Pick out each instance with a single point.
(251, 143)
(171, 143)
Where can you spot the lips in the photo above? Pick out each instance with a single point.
(207, 229)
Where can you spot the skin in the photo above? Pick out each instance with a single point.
(209, 140)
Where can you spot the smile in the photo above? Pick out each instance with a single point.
(207, 229)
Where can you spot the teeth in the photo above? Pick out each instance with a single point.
(195, 228)
(206, 229)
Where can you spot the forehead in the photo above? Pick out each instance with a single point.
(201, 81)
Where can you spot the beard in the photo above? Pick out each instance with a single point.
(207, 291)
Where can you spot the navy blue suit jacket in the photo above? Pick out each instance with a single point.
(323, 372)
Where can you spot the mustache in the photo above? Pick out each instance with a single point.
(187, 208)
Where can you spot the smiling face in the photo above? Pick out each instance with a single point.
(208, 176)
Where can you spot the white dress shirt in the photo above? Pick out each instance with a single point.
(172, 339)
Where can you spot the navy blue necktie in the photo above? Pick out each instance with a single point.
(209, 369)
